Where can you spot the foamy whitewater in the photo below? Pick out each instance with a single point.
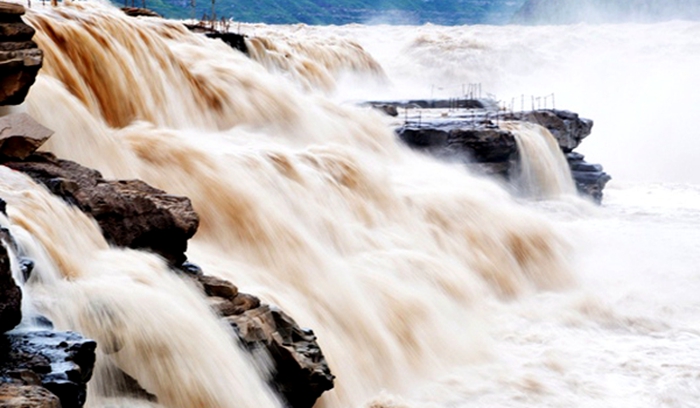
(427, 286)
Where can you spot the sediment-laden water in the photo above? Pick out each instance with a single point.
(426, 285)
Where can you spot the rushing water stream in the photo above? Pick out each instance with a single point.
(427, 286)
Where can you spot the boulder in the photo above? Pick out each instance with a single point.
(130, 212)
(20, 58)
(60, 362)
(21, 135)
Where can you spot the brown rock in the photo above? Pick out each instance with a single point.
(27, 396)
(11, 8)
(300, 371)
(20, 58)
(239, 305)
(214, 286)
(21, 135)
(130, 212)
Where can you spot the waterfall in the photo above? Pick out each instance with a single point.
(542, 168)
(393, 259)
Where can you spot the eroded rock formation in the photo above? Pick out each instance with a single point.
(130, 212)
(300, 373)
(20, 58)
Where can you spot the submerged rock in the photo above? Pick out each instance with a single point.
(20, 58)
(130, 212)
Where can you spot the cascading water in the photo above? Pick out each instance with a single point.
(312, 206)
(426, 286)
(542, 169)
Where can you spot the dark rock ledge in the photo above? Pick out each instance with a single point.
(474, 137)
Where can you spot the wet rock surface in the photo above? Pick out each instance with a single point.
(590, 178)
(20, 58)
(235, 41)
(300, 371)
(60, 362)
(139, 12)
(493, 149)
(130, 212)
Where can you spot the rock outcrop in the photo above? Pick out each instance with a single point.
(130, 212)
(21, 135)
(590, 178)
(139, 12)
(300, 373)
(59, 362)
(20, 58)
(567, 127)
(474, 137)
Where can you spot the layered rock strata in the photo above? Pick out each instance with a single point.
(130, 212)
(20, 58)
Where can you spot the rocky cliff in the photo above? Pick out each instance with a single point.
(20, 58)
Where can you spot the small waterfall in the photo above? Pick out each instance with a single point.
(542, 169)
